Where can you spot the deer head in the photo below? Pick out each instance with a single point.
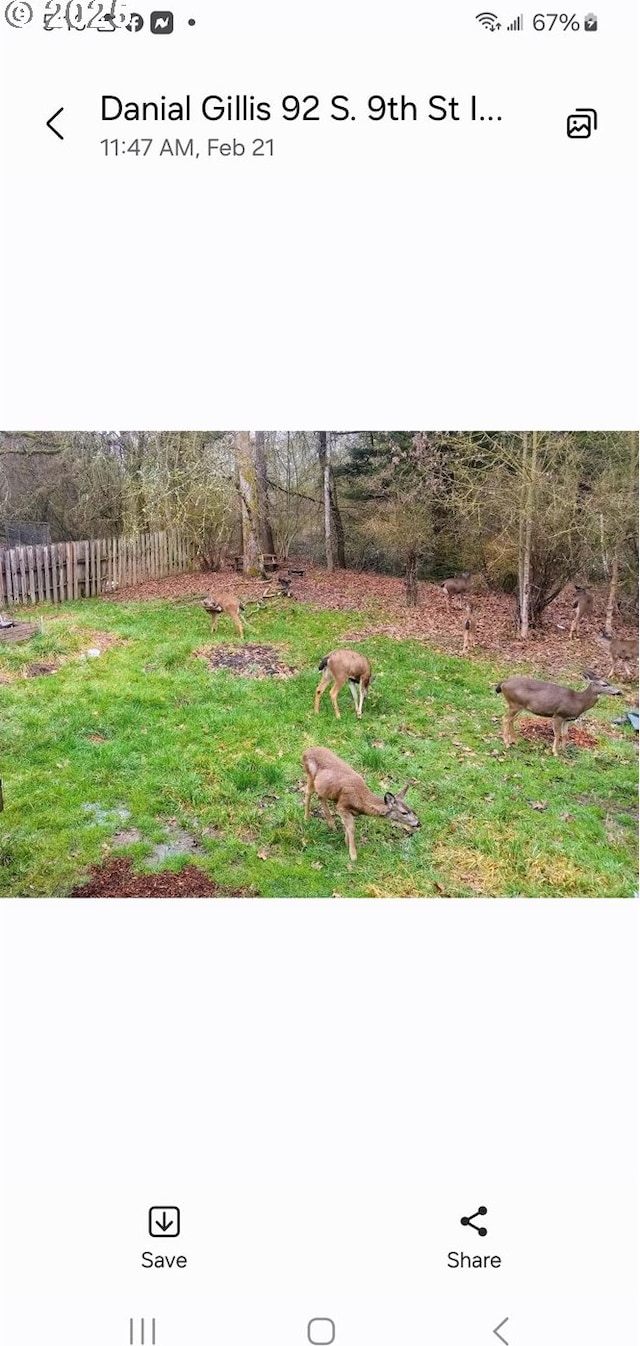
(600, 685)
(398, 812)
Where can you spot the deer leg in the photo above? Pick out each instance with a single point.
(355, 689)
(574, 628)
(557, 734)
(361, 700)
(237, 621)
(349, 824)
(508, 734)
(334, 697)
(322, 687)
(214, 620)
(465, 643)
(327, 812)
(308, 794)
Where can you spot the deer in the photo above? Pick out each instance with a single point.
(582, 607)
(332, 779)
(551, 701)
(469, 628)
(339, 667)
(622, 651)
(457, 587)
(218, 603)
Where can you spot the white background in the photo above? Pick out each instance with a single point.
(323, 1087)
(369, 275)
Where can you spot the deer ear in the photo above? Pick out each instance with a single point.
(389, 798)
(590, 675)
(401, 793)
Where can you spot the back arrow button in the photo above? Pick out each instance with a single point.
(496, 1332)
(53, 128)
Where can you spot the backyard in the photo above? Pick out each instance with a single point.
(126, 754)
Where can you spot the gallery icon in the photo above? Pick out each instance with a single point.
(581, 123)
(161, 21)
(164, 1222)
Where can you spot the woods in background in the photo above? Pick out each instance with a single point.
(524, 511)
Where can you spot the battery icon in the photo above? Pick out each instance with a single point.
(591, 23)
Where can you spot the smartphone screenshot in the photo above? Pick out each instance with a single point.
(318, 748)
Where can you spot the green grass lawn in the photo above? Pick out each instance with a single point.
(147, 733)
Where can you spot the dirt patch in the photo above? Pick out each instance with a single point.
(38, 670)
(541, 731)
(247, 661)
(102, 640)
(116, 878)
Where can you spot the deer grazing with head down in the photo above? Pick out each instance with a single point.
(218, 603)
(332, 779)
(559, 704)
(469, 628)
(581, 607)
(624, 652)
(454, 588)
(344, 666)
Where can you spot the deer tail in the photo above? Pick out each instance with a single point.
(499, 687)
(323, 663)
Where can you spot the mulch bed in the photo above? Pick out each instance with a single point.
(536, 730)
(116, 878)
(248, 661)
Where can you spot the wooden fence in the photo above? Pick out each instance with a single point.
(66, 570)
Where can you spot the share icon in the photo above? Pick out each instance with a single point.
(469, 1219)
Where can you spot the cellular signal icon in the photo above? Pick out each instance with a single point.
(517, 25)
(489, 21)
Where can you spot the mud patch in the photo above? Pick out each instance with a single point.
(178, 843)
(247, 661)
(38, 670)
(116, 878)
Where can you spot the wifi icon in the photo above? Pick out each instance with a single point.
(489, 21)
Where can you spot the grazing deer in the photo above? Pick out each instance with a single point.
(332, 779)
(344, 666)
(469, 628)
(215, 604)
(623, 652)
(457, 587)
(582, 607)
(553, 702)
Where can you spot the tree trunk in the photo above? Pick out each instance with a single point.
(248, 491)
(526, 531)
(612, 594)
(266, 535)
(411, 579)
(336, 520)
(324, 455)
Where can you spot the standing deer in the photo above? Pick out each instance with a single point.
(332, 779)
(469, 628)
(582, 607)
(623, 652)
(457, 587)
(553, 702)
(215, 604)
(344, 666)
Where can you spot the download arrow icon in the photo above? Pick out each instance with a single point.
(164, 1222)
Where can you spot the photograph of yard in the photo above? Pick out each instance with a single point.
(427, 640)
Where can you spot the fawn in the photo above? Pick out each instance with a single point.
(344, 666)
(332, 779)
(215, 604)
(454, 588)
(622, 651)
(581, 607)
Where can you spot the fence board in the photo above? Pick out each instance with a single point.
(59, 571)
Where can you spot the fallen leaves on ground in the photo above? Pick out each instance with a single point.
(116, 878)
